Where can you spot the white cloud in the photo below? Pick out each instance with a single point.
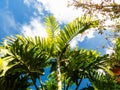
(58, 8)
(73, 43)
(75, 40)
(35, 28)
(90, 33)
(81, 37)
(27, 2)
(110, 50)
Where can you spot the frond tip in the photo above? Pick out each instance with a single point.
(52, 27)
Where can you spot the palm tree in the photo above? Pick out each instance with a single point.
(24, 57)
(74, 64)
(30, 55)
(60, 39)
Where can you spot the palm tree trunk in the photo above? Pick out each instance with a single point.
(40, 80)
(59, 83)
(33, 80)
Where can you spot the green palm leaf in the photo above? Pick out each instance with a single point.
(73, 29)
(52, 27)
(25, 55)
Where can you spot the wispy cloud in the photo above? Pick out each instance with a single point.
(28, 2)
(81, 37)
(39, 8)
(8, 25)
(58, 8)
(34, 28)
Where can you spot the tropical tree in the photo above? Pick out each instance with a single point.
(23, 58)
(61, 38)
(66, 60)
(30, 55)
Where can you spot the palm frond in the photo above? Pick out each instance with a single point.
(73, 29)
(52, 27)
(103, 82)
(21, 50)
(77, 63)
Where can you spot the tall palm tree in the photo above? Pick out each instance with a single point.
(73, 62)
(60, 39)
(30, 55)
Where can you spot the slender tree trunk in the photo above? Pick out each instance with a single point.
(33, 80)
(42, 87)
(59, 83)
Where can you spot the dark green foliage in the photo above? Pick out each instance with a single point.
(88, 88)
(24, 57)
(14, 81)
(78, 63)
(103, 82)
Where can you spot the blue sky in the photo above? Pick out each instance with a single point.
(27, 17)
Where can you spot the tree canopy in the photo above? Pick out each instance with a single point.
(23, 59)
